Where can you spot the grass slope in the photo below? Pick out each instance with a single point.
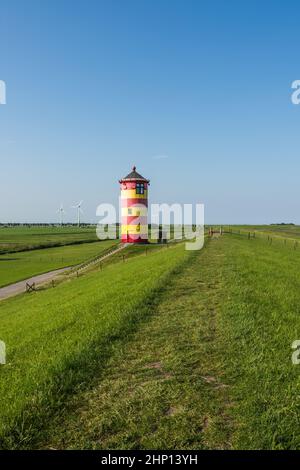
(212, 367)
(58, 339)
(132, 357)
(19, 266)
(163, 388)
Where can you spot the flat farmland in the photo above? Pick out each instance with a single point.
(280, 231)
(22, 265)
(14, 239)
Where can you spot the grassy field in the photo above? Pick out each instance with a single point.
(18, 266)
(13, 239)
(212, 366)
(167, 350)
(259, 320)
(57, 341)
(162, 388)
(282, 232)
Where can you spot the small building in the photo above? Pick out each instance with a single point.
(134, 206)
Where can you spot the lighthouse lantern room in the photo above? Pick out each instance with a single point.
(134, 207)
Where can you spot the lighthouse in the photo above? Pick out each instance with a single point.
(134, 207)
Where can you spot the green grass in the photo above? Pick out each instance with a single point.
(289, 233)
(163, 388)
(58, 339)
(18, 266)
(135, 250)
(166, 350)
(13, 239)
(212, 366)
(259, 321)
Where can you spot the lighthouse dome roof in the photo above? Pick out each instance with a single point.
(134, 176)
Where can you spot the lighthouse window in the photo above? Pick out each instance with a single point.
(129, 211)
(139, 188)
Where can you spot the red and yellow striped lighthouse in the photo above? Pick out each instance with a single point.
(134, 206)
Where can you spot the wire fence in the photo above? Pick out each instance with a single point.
(271, 239)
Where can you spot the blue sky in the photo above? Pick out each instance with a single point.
(196, 94)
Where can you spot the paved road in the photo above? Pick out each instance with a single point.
(19, 287)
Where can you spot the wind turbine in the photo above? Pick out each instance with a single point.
(79, 211)
(61, 211)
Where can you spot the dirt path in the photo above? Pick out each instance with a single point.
(20, 286)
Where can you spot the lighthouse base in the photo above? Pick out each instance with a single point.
(133, 239)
